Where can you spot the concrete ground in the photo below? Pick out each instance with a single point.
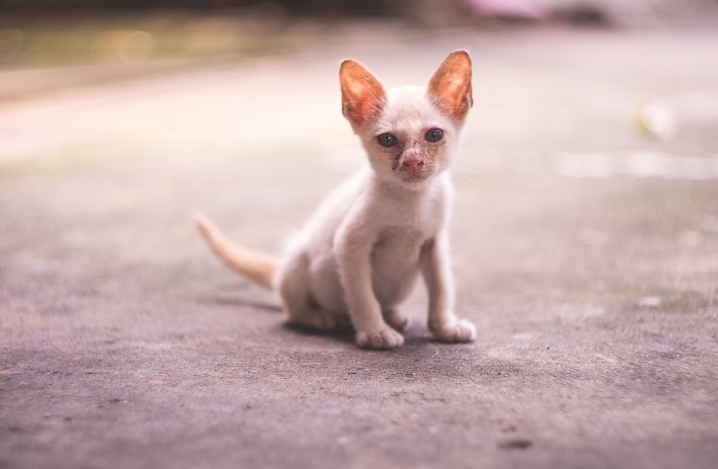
(124, 343)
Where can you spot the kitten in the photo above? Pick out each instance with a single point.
(360, 254)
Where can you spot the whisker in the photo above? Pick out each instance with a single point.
(476, 172)
(457, 180)
(482, 175)
(464, 180)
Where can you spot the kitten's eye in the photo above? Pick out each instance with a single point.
(387, 140)
(434, 135)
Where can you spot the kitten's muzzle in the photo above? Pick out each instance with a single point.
(412, 163)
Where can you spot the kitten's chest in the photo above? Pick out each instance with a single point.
(404, 224)
(402, 237)
(399, 245)
(419, 218)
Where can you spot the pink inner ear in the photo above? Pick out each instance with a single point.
(362, 94)
(451, 85)
(362, 104)
(454, 96)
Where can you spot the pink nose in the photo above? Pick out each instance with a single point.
(413, 162)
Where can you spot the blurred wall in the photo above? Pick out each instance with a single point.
(312, 6)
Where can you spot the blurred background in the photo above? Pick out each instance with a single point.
(118, 118)
(37, 33)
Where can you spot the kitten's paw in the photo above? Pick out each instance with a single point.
(460, 331)
(397, 319)
(383, 339)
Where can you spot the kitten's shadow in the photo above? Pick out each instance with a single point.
(345, 334)
(413, 336)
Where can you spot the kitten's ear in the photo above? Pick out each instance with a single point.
(362, 94)
(450, 87)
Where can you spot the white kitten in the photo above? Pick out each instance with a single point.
(361, 252)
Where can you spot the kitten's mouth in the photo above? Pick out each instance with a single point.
(414, 177)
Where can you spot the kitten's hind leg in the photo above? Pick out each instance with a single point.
(307, 313)
(396, 319)
(318, 318)
(297, 298)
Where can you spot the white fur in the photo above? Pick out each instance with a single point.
(360, 254)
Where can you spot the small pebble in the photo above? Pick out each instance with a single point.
(651, 301)
(655, 119)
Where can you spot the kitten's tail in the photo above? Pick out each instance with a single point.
(254, 265)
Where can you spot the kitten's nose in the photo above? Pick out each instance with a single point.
(413, 162)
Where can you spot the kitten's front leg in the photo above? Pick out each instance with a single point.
(396, 319)
(436, 270)
(353, 245)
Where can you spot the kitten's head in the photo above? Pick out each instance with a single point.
(410, 134)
